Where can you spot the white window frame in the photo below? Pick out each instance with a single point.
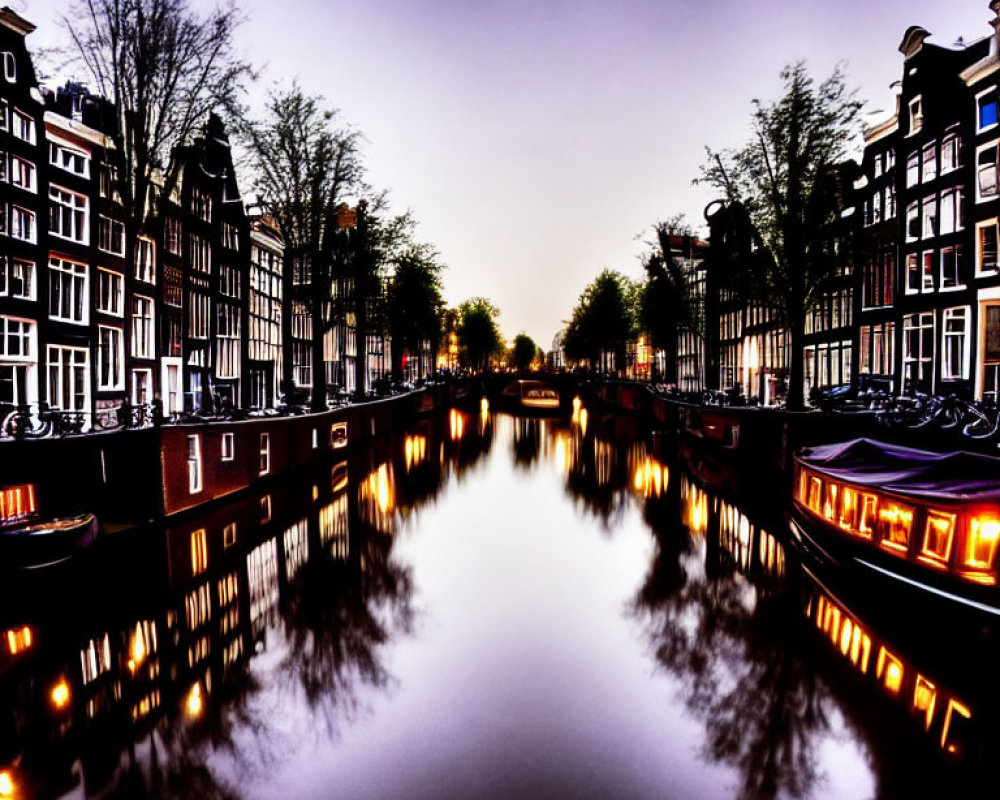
(980, 96)
(928, 162)
(143, 327)
(964, 312)
(957, 250)
(929, 217)
(23, 224)
(111, 226)
(995, 146)
(988, 223)
(195, 483)
(23, 127)
(117, 373)
(228, 446)
(18, 170)
(950, 143)
(912, 213)
(78, 274)
(913, 169)
(953, 222)
(916, 117)
(9, 67)
(145, 260)
(7, 266)
(116, 283)
(64, 156)
(65, 378)
(927, 271)
(265, 453)
(78, 207)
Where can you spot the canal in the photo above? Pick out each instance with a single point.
(484, 606)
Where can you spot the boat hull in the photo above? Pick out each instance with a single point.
(46, 543)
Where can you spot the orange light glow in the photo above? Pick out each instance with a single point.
(981, 546)
(60, 694)
(889, 670)
(848, 509)
(7, 786)
(457, 423)
(194, 703)
(650, 478)
(18, 640)
(137, 651)
(830, 506)
(869, 513)
(17, 502)
(815, 494)
(924, 699)
(895, 521)
(484, 406)
(583, 420)
(954, 707)
(415, 450)
(938, 534)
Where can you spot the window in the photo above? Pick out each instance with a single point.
(201, 205)
(877, 166)
(200, 254)
(108, 180)
(927, 274)
(110, 358)
(986, 171)
(172, 235)
(17, 278)
(22, 224)
(142, 327)
(70, 160)
(17, 361)
(110, 292)
(22, 174)
(265, 453)
(230, 236)
(198, 319)
(229, 281)
(68, 298)
(951, 267)
(949, 153)
(951, 211)
(986, 247)
(929, 162)
(929, 228)
(955, 364)
(877, 343)
(23, 127)
(916, 114)
(227, 342)
(68, 214)
(986, 107)
(9, 67)
(194, 463)
(228, 447)
(918, 348)
(4, 115)
(878, 280)
(229, 534)
(69, 383)
(913, 222)
(111, 236)
(145, 260)
(912, 273)
(890, 201)
(199, 553)
(913, 169)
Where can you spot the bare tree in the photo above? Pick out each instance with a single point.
(306, 164)
(165, 69)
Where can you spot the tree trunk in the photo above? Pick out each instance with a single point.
(318, 330)
(360, 264)
(796, 364)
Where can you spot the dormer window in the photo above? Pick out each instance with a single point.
(916, 114)
(9, 67)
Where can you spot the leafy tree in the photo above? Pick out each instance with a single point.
(305, 165)
(165, 69)
(414, 304)
(603, 320)
(666, 304)
(788, 180)
(477, 331)
(523, 352)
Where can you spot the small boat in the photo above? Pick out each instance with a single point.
(531, 394)
(921, 520)
(28, 541)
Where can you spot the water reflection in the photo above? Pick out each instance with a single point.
(189, 656)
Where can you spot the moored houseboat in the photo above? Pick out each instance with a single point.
(921, 520)
(28, 540)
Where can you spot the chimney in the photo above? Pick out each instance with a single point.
(347, 217)
(913, 40)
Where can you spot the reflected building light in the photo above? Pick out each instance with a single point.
(262, 582)
(199, 551)
(604, 462)
(296, 539)
(954, 707)
(334, 524)
(414, 450)
(378, 498)
(59, 695)
(456, 421)
(338, 477)
(95, 659)
(7, 785)
(142, 640)
(194, 704)
(484, 406)
(650, 478)
(772, 555)
(18, 640)
(583, 421)
(694, 500)
(924, 699)
(562, 459)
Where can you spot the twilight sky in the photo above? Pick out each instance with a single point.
(534, 140)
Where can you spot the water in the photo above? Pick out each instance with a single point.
(483, 607)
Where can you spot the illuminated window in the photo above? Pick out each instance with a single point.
(815, 494)
(228, 447)
(199, 551)
(954, 707)
(981, 545)
(938, 534)
(889, 670)
(986, 247)
(265, 508)
(848, 509)
(194, 463)
(229, 535)
(895, 521)
(924, 699)
(17, 502)
(868, 515)
(265, 453)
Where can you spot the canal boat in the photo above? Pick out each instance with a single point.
(529, 394)
(912, 520)
(29, 541)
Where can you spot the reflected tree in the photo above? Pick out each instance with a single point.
(527, 441)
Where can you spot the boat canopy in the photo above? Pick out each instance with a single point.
(942, 477)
